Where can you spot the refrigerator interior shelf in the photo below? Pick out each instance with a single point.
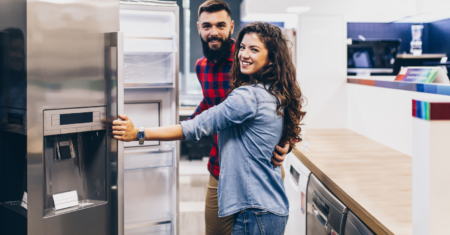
(16, 207)
(148, 159)
(157, 38)
(147, 224)
(148, 51)
(146, 85)
(148, 2)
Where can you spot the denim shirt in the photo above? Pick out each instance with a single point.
(248, 130)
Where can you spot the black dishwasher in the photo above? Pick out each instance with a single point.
(354, 226)
(325, 213)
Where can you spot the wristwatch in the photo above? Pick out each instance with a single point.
(141, 135)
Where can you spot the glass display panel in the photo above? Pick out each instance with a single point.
(149, 68)
(75, 162)
(143, 115)
(74, 118)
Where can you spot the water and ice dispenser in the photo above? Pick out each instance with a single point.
(75, 160)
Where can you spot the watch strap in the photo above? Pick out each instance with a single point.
(141, 135)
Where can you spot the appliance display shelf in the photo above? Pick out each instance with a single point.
(82, 205)
(16, 207)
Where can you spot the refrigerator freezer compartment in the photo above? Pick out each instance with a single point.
(149, 68)
(143, 114)
(149, 195)
(150, 228)
(159, 158)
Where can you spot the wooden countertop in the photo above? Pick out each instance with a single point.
(372, 180)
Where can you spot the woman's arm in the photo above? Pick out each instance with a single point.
(240, 106)
(125, 130)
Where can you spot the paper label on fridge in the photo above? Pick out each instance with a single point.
(65, 200)
(25, 201)
(303, 202)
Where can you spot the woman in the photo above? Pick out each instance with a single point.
(262, 110)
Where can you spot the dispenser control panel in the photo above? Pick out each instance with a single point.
(64, 121)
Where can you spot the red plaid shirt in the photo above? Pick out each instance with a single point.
(215, 81)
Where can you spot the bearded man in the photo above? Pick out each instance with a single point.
(215, 27)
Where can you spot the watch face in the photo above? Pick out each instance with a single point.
(140, 135)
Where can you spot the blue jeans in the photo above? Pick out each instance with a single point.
(258, 222)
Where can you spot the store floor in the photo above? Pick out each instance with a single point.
(193, 180)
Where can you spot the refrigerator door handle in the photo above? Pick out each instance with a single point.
(120, 144)
(115, 87)
(320, 218)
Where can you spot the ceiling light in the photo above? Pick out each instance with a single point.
(298, 9)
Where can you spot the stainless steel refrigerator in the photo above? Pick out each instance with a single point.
(61, 171)
(151, 54)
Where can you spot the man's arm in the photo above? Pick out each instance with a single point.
(280, 154)
(200, 108)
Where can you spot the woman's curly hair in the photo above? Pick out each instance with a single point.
(280, 75)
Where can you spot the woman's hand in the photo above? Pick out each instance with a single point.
(123, 129)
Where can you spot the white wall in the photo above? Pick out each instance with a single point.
(321, 69)
(427, 6)
(370, 9)
(384, 115)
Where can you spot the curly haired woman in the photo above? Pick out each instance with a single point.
(262, 110)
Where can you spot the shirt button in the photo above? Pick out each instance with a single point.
(215, 85)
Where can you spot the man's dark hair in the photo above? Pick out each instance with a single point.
(212, 6)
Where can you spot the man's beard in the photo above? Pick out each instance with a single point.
(220, 53)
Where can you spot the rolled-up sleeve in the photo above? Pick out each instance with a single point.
(240, 106)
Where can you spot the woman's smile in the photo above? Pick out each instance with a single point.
(253, 54)
(245, 64)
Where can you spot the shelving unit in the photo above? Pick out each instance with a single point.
(16, 207)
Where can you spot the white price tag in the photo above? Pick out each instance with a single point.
(403, 71)
(25, 201)
(65, 200)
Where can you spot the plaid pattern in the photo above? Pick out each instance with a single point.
(214, 79)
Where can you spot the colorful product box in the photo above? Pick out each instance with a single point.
(422, 75)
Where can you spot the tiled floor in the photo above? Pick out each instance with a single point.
(193, 180)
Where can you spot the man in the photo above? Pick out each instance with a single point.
(215, 28)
